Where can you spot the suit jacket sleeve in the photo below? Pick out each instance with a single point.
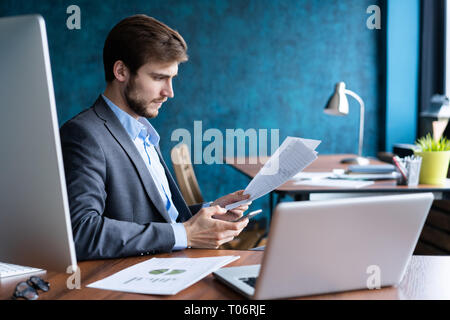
(96, 235)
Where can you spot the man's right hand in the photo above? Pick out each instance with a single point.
(203, 231)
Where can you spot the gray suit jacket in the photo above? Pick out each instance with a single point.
(115, 206)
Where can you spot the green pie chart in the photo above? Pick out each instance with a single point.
(158, 271)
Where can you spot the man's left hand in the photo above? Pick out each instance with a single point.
(237, 212)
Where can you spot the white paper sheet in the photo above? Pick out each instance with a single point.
(294, 155)
(312, 175)
(162, 276)
(336, 183)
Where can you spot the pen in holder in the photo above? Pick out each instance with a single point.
(409, 169)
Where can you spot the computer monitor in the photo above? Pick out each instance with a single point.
(35, 228)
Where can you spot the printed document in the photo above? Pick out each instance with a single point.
(294, 155)
(162, 276)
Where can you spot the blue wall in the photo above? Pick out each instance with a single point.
(259, 64)
(402, 80)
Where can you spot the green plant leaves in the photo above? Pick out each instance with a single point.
(428, 144)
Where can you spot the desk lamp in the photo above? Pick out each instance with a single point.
(338, 106)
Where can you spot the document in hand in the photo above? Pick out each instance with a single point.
(162, 276)
(294, 155)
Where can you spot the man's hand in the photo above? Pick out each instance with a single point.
(235, 213)
(204, 231)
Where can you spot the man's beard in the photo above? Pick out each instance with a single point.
(139, 106)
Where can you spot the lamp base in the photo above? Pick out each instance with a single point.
(358, 160)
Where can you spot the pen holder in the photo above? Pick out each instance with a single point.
(412, 171)
(413, 166)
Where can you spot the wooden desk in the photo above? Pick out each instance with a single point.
(326, 163)
(427, 277)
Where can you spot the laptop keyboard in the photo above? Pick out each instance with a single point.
(251, 281)
(9, 270)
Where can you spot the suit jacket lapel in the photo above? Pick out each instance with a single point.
(116, 129)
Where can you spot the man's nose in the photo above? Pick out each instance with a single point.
(167, 90)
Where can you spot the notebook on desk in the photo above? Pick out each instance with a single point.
(317, 247)
(371, 169)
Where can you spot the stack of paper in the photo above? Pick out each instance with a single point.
(294, 155)
(162, 276)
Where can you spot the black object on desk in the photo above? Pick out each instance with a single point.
(403, 149)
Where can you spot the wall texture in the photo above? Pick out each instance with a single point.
(259, 64)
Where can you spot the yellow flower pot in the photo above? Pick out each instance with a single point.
(434, 167)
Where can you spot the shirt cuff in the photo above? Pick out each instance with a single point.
(180, 236)
(207, 204)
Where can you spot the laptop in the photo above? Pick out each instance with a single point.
(319, 247)
(35, 227)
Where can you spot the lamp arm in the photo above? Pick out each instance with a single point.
(361, 120)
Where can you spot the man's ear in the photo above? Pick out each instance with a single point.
(121, 72)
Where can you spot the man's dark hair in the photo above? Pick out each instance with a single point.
(140, 39)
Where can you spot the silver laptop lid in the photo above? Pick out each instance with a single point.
(319, 247)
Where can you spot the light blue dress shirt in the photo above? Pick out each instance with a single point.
(145, 138)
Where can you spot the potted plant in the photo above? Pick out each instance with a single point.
(435, 159)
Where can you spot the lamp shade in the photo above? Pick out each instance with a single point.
(337, 105)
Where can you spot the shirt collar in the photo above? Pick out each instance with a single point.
(133, 127)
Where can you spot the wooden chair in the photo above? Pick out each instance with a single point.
(184, 172)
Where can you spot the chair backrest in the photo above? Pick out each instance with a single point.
(184, 172)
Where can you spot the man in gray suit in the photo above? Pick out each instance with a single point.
(123, 199)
